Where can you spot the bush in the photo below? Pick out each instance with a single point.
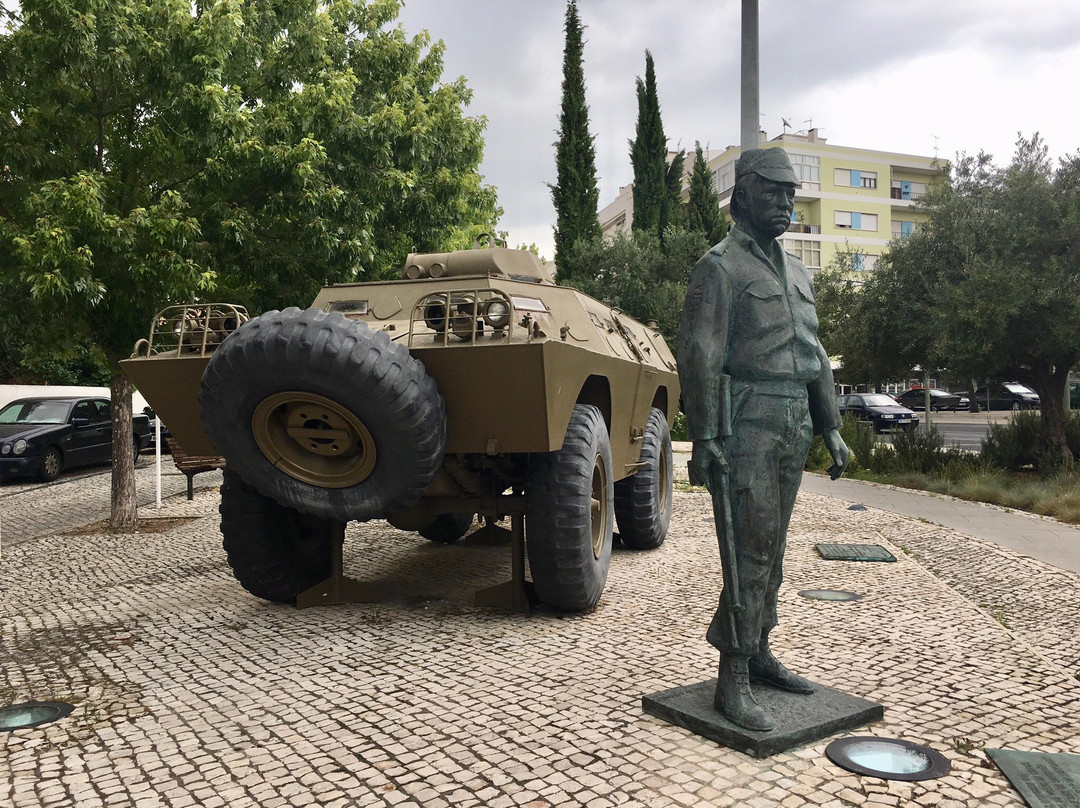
(678, 428)
(860, 439)
(1015, 445)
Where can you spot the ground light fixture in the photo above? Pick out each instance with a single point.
(32, 714)
(887, 758)
(829, 594)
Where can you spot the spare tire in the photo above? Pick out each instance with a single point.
(324, 415)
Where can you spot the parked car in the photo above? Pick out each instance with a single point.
(43, 436)
(165, 433)
(915, 399)
(1074, 395)
(881, 410)
(1009, 396)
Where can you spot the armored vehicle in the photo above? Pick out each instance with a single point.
(473, 386)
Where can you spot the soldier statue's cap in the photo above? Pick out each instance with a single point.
(772, 164)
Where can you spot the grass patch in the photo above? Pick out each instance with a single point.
(1057, 495)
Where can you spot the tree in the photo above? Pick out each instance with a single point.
(575, 194)
(703, 208)
(989, 287)
(156, 151)
(641, 275)
(648, 155)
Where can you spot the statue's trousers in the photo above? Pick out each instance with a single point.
(770, 436)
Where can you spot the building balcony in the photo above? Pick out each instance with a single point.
(799, 227)
(897, 193)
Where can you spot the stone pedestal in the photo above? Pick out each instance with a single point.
(798, 720)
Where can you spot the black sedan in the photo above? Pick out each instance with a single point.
(1010, 396)
(42, 436)
(881, 410)
(915, 399)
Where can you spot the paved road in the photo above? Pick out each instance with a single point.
(32, 509)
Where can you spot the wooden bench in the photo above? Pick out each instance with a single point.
(190, 465)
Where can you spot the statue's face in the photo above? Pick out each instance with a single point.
(768, 207)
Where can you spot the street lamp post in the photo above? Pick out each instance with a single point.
(749, 76)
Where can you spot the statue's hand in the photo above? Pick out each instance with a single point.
(706, 453)
(841, 455)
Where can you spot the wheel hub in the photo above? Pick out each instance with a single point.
(314, 439)
(598, 507)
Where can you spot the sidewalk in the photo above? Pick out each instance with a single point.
(190, 693)
(1036, 536)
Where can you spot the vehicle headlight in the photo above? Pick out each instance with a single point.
(434, 309)
(497, 313)
(6, 449)
(19, 446)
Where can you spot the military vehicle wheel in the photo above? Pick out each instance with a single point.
(448, 527)
(570, 515)
(643, 501)
(324, 415)
(52, 463)
(275, 552)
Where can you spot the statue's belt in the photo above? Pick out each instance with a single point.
(788, 388)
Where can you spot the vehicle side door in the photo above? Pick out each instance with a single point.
(89, 433)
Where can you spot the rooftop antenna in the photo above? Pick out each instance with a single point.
(935, 137)
(786, 123)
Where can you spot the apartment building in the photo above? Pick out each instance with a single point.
(851, 200)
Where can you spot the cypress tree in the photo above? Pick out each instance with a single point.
(648, 155)
(657, 184)
(703, 210)
(575, 194)
(671, 212)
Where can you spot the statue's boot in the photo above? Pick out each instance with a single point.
(733, 696)
(765, 668)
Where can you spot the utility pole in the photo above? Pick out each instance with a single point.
(749, 76)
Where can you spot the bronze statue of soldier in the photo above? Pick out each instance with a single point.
(756, 387)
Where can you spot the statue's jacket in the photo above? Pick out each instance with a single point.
(752, 320)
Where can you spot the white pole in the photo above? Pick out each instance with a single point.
(751, 122)
(157, 456)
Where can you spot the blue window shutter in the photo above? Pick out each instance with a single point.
(856, 262)
(905, 228)
(905, 189)
(794, 217)
(856, 178)
(856, 221)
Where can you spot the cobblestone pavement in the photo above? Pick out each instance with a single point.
(189, 692)
(32, 509)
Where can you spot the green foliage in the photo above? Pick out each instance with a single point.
(640, 275)
(678, 429)
(575, 194)
(160, 151)
(671, 213)
(989, 287)
(1014, 445)
(648, 155)
(703, 208)
(836, 299)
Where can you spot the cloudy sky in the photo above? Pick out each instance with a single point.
(913, 76)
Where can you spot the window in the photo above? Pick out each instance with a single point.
(724, 177)
(854, 178)
(903, 189)
(902, 229)
(856, 221)
(807, 169)
(862, 262)
(806, 250)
